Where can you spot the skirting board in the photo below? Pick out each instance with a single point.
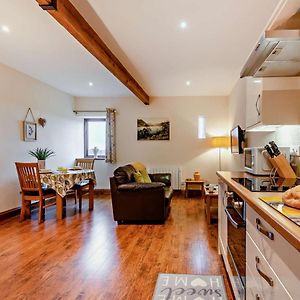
(16, 211)
(10, 213)
(102, 191)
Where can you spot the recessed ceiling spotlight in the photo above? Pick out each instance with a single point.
(5, 28)
(91, 84)
(188, 83)
(183, 25)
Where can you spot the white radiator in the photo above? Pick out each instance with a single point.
(175, 175)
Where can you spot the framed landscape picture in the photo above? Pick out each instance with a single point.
(153, 129)
(30, 131)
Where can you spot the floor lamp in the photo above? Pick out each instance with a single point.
(220, 142)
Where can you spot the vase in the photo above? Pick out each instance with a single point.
(197, 176)
(95, 150)
(42, 164)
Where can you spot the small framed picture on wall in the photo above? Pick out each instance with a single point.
(30, 131)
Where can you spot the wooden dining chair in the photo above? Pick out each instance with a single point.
(82, 187)
(85, 163)
(31, 189)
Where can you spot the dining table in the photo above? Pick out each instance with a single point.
(63, 181)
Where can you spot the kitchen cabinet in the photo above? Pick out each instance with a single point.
(252, 292)
(267, 109)
(272, 260)
(268, 285)
(277, 256)
(253, 101)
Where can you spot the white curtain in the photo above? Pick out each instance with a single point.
(110, 136)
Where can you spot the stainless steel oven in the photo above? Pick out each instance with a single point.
(236, 249)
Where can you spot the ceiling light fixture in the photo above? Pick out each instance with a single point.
(183, 25)
(91, 84)
(188, 83)
(5, 28)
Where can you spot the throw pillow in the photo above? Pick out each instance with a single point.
(138, 177)
(145, 176)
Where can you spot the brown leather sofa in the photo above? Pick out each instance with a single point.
(140, 202)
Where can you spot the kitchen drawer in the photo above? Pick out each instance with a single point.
(252, 292)
(262, 273)
(281, 256)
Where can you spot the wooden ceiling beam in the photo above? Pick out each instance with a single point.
(70, 18)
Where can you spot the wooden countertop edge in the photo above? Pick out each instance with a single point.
(289, 230)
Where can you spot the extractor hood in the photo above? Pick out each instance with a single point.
(277, 54)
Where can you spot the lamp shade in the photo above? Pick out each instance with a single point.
(201, 127)
(220, 142)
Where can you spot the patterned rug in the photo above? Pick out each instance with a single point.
(189, 287)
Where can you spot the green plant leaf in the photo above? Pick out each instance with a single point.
(41, 154)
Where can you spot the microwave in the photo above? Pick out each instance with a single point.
(256, 160)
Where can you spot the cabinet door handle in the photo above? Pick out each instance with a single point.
(268, 279)
(264, 231)
(256, 105)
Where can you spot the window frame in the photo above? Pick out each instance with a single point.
(86, 136)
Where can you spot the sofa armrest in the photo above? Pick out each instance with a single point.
(134, 186)
(161, 177)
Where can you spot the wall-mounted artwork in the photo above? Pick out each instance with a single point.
(30, 134)
(29, 128)
(153, 129)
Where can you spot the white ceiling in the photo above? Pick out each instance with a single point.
(209, 53)
(145, 35)
(38, 46)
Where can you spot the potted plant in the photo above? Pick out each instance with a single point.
(41, 155)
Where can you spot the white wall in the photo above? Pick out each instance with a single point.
(183, 150)
(62, 133)
(237, 116)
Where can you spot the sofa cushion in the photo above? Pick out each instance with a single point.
(145, 176)
(138, 166)
(134, 186)
(45, 192)
(161, 177)
(138, 177)
(124, 174)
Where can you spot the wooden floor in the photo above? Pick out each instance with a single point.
(88, 256)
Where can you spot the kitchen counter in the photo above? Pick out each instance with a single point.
(289, 230)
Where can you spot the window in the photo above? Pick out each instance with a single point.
(94, 137)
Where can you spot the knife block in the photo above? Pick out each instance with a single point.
(283, 167)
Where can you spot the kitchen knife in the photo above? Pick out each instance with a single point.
(275, 148)
(269, 150)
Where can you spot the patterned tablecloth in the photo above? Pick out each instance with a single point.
(61, 182)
